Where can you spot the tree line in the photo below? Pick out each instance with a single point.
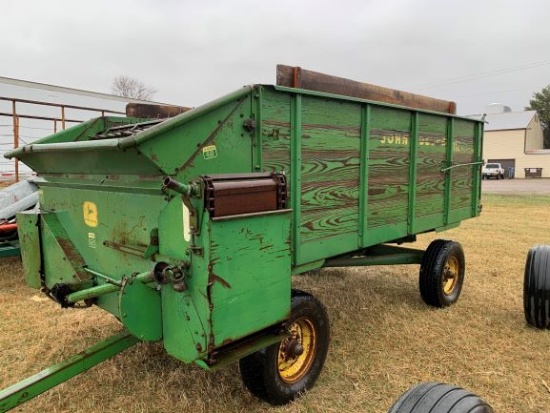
(541, 103)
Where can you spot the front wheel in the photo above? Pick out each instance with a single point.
(442, 273)
(439, 398)
(280, 373)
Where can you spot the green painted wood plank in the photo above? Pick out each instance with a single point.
(296, 176)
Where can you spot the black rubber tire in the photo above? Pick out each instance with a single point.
(260, 372)
(433, 273)
(536, 287)
(439, 398)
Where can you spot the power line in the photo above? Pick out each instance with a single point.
(499, 92)
(481, 75)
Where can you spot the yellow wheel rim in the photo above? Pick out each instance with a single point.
(450, 275)
(292, 366)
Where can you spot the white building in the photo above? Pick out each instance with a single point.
(515, 140)
(33, 110)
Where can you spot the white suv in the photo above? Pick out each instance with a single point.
(492, 170)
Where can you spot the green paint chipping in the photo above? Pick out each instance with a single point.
(250, 274)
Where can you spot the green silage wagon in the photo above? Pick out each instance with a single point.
(189, 229)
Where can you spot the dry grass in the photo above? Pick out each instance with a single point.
(384, 339)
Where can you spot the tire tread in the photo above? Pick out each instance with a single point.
(259, 371)
(431, 267)
(536, 287)
(436, 397)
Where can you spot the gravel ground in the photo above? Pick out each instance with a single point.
(506, 186)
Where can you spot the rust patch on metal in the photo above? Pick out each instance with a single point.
(307, 79)
(74, 257)
(228, 195)
(216, 278)
(147, 110)
(138, 250)
(70, 251)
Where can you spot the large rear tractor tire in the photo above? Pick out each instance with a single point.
(280, 373)
(439, 398)
(442, 273)
(536, 287)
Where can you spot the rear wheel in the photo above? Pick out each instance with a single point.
(279, 373)
(442, 273)
(439, 398)
(536, 287)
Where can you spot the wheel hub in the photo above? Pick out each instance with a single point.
(450, 275)
(294, 348)
(296, 353)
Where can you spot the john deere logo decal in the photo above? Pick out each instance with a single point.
(90, 213)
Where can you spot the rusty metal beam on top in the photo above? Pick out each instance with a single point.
(151, 111)
(297, 77)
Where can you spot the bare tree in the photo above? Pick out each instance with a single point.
(129, 87)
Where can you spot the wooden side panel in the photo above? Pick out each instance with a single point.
(400, 196)
(388, 167)
(330, 167)
(431, 156)
(462, 177)
(275, 131)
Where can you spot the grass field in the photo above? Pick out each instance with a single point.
(384, 338)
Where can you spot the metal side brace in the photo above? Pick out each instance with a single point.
(52, 376)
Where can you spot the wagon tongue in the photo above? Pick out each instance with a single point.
(33, 386)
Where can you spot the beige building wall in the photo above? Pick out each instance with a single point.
(534, 138)
(511, 144)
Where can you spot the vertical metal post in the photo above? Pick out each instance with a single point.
(15, 137)
(449, 172)
(257, 142)
(55, 126)
(296, 174)
(364, 173)
(63, 117)
(413, 142)
(478, 153)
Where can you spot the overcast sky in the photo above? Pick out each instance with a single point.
(472, 51)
